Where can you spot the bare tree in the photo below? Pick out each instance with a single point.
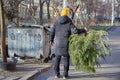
(117, 5)
(31, 10)
(11, 9)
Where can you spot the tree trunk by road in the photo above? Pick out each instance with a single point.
(3, 33)
(41, 11)
(48, 10)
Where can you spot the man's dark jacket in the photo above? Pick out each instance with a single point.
(60, 33)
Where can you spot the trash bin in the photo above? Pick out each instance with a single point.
(28, 41)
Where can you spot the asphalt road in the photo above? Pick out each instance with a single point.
(109, 70)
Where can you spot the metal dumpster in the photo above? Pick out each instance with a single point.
(28, 41)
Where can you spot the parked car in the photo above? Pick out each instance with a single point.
(107, 18)
(117, 19)
(102, 18)
(99, 18)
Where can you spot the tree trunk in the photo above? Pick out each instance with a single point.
(112, 18)
(3, 34)
(41, 12)
(48, 10)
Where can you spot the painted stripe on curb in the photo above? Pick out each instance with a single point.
(32, 75)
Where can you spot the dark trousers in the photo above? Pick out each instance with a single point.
(66, 62)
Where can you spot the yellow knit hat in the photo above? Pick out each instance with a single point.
(65, 12)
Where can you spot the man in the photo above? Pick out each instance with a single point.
(59, 36)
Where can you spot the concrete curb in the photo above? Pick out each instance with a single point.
(9, 66)
(32, 75)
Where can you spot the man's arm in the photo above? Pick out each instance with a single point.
(52, 35)
(75, 30)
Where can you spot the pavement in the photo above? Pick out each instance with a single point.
(25, 70)
(109, 70)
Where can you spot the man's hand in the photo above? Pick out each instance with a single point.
(86, 29)
(51, 43)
